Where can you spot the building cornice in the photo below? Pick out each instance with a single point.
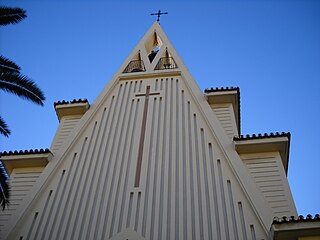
(294, 228)
(74, 108)
(25, 158)
(258, 143)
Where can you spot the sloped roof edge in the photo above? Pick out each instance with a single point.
(259, 142)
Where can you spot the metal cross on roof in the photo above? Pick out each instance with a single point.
(159, 13)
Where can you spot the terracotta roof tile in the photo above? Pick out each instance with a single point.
(71, 102)
(262, 136)
(208, 90)
(294, 219)
(24, 152)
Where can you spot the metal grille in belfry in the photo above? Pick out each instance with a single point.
(135, 66)
(166, 63)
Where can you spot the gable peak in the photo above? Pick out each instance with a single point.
(152, 54)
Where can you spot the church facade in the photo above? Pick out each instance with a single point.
(153, 157)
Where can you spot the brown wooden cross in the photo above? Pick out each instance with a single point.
(142, 133)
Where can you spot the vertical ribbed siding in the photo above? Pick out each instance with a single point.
(146, 200)
(267, 174)
(206, 183)
(163, 152)
(223, 200)
(119, 155)
(152, 217)
(32, 226)
(184, 191)
(242, 220)
(184, 167)
(177, 164)
(214, 191)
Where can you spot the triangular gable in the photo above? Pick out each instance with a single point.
(101, 155)
(155, 53)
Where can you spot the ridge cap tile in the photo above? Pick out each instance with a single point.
(84, 100)
(293, 219)
(217, 89)
(261, 136)
(25, 152)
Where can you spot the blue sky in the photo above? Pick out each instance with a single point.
(270, 49)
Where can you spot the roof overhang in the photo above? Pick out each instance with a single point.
(71, 109)
(295, 231)
(269, 144)
(25, 160)
(232, 96)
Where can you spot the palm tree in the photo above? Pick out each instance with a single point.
(4, 188)
(12, 81)
(11, 15)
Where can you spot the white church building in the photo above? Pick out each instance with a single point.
(154, 158)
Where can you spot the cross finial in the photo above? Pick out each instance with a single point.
(159, 13)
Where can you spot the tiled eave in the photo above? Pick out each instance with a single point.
(294, 219)
(263, 136)
(222, 89)
(292, 228)
(226, 95)
(27, 158)
(63, 102)
(259, 143)
(71, 108)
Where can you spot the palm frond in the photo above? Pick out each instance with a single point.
(7, 66)
(11, 15)
(21, 86)
(4, 187)
(4, 129)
